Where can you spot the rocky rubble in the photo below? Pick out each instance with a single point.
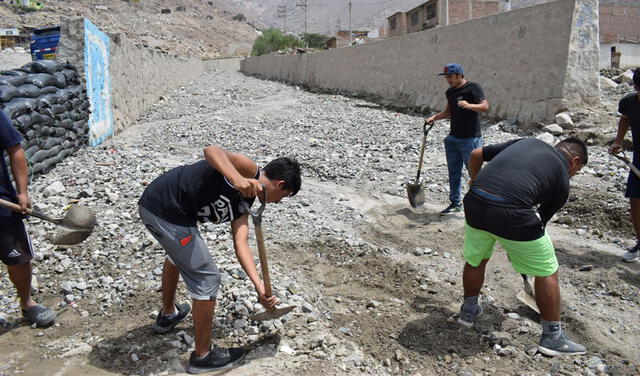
(108, 286)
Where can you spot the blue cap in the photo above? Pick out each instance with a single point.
(452, 68)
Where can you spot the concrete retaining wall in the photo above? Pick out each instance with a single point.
(138, 76)
(532, 62)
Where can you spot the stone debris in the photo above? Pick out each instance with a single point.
(115, 275)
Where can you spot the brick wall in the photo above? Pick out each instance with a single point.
(401, 25)
(465, 10)
(619, 23)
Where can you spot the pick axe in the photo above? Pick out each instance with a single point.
(256, 217)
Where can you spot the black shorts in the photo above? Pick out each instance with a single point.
(505, 220)
(15, 244)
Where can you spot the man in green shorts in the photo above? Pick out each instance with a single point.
(499, 206)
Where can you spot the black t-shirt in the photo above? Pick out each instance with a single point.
(465, 123)
(629, 106)
(527, 172)
(9, 137)
(193, 193)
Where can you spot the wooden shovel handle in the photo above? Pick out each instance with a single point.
(12, 206)
(16, 208)
(262, 253)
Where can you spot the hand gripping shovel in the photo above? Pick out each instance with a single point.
(256, 216)
(73, 228)
(628, 163)
(415, 191)
(526, 295)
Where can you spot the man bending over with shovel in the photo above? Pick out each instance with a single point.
(209, 191)
(499, 206)
(15, 245)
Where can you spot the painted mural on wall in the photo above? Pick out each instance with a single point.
(96, 68)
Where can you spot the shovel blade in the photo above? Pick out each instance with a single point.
(75, 227)
(528, 300)
(271, 315)
(415, 194)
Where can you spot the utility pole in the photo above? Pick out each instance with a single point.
(282, 13)
(350, 30)
(303, 5)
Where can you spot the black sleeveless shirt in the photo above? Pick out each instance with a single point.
(193, 193)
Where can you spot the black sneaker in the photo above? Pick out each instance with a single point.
(453, 208)
(163, 324)
(217, 359)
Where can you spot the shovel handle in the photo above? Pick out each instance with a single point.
(425, 132)
(628, 163)
(257, 212)
(262, 253)
(16, 208)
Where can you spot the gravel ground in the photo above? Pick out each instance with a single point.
(374, 281)
(11, 58)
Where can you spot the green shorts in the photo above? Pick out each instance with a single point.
(534, 257)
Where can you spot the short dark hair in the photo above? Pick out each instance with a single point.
(636, 77)
(286, 169)
(574, 147)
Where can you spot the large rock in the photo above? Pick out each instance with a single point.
(625, 78)
(564, 120)
(554, 129)
(546, 137)
(607, 83)
(54, 189)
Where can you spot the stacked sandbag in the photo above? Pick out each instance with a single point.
(48, 104)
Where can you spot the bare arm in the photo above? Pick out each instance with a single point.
(623, 127)
(20, 171)
(475, 164)
(441, 115)
(237, 168)
(483, 106)
(240, 231)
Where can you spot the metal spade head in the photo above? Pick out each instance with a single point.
(415, 194)
(75, 226)
(271, 315)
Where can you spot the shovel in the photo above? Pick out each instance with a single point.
(628, 163)
(256, 217)
(415, 191)
(526, 295)
(73, 228)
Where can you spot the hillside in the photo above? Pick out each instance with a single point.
(201, 29)
(323, 16)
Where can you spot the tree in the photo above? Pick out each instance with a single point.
(313, 40)
(271, 40)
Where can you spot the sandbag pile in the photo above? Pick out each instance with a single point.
(48, 104)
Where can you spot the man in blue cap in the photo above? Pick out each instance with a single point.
(465, 100)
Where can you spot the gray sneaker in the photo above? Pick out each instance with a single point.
(467, 319)
(560, 346)
(632, 254)
(39, 315)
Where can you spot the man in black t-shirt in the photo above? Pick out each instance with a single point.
(629, 109)
(499, 207)
(16, 250)
(208, 191)
(465, 100)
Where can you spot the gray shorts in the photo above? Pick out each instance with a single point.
(186, 250)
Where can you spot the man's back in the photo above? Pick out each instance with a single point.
(527, 172)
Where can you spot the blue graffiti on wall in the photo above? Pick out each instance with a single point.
(96, 68)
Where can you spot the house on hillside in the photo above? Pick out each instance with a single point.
(441, 12)
(342, 38)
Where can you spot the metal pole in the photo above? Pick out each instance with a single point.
(350, 30)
